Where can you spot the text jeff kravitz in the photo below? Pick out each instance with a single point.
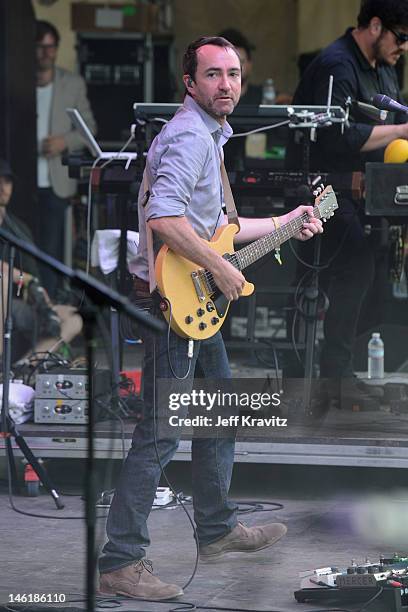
(231, 421)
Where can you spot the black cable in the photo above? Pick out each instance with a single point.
(333, 610)
(275, 365)
(10, 493)
(187, 605)
(257, 506)
(105, 336)
(2, 314)
(294, 320)
(299, 298)
(310, 268)
(2, 285)
(325, 265)
(116, 602)
(186, 375)
(370, 601)
(49, 357)
(163, 470)
(121, 423)
(176, 495)
(34, 515)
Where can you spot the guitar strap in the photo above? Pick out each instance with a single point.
(231, 214)
(149, 237)
(228, 197)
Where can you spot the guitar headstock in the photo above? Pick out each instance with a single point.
(326, 203)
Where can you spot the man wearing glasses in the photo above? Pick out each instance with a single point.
(57, 89)
(362, 62)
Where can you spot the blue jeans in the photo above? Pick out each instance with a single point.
(212, 459)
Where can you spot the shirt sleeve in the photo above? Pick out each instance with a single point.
(345, 84)
(180, 163)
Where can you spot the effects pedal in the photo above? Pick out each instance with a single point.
(388, 579)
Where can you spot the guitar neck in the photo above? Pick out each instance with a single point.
(254, 251)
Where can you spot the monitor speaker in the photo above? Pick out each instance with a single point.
(387, 189)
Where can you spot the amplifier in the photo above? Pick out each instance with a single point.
(61, 411)
(386, 189)
(64, 383)
(61, 396)
(263, 181)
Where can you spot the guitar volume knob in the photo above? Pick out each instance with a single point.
(189, 319)
(214, 320)
(200, 312)
(202, 325)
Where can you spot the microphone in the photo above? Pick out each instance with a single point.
(370, 111)
(386, 103)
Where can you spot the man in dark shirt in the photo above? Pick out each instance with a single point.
(362, 64)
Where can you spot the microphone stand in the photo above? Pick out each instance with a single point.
(309, 122)
(97, 294)
(8, 428)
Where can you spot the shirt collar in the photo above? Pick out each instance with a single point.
(220, 133)
(361, 58)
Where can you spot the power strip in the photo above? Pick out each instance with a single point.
(163, 497)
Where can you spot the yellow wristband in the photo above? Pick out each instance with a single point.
(275, 222)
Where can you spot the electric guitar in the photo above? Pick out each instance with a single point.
(192, 303)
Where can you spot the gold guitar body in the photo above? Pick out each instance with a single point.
(195, 309)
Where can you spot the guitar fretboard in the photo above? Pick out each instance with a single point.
(261, 247)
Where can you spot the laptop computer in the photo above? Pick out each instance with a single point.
(91, 142)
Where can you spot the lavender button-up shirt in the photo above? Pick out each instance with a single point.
(183, 176)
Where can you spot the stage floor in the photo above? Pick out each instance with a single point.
(42, 555)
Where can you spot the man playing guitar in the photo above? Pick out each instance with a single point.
(181, 201)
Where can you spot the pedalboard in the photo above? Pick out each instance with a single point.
(385, 582)
(61, 396)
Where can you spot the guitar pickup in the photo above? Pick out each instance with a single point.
(195, 277)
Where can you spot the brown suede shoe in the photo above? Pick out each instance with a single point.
(244, 539)
(137, 581)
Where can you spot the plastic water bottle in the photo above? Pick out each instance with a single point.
(375, 357)
(268, 92)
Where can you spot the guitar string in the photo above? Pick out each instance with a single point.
(243, 258)
(262, 246)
